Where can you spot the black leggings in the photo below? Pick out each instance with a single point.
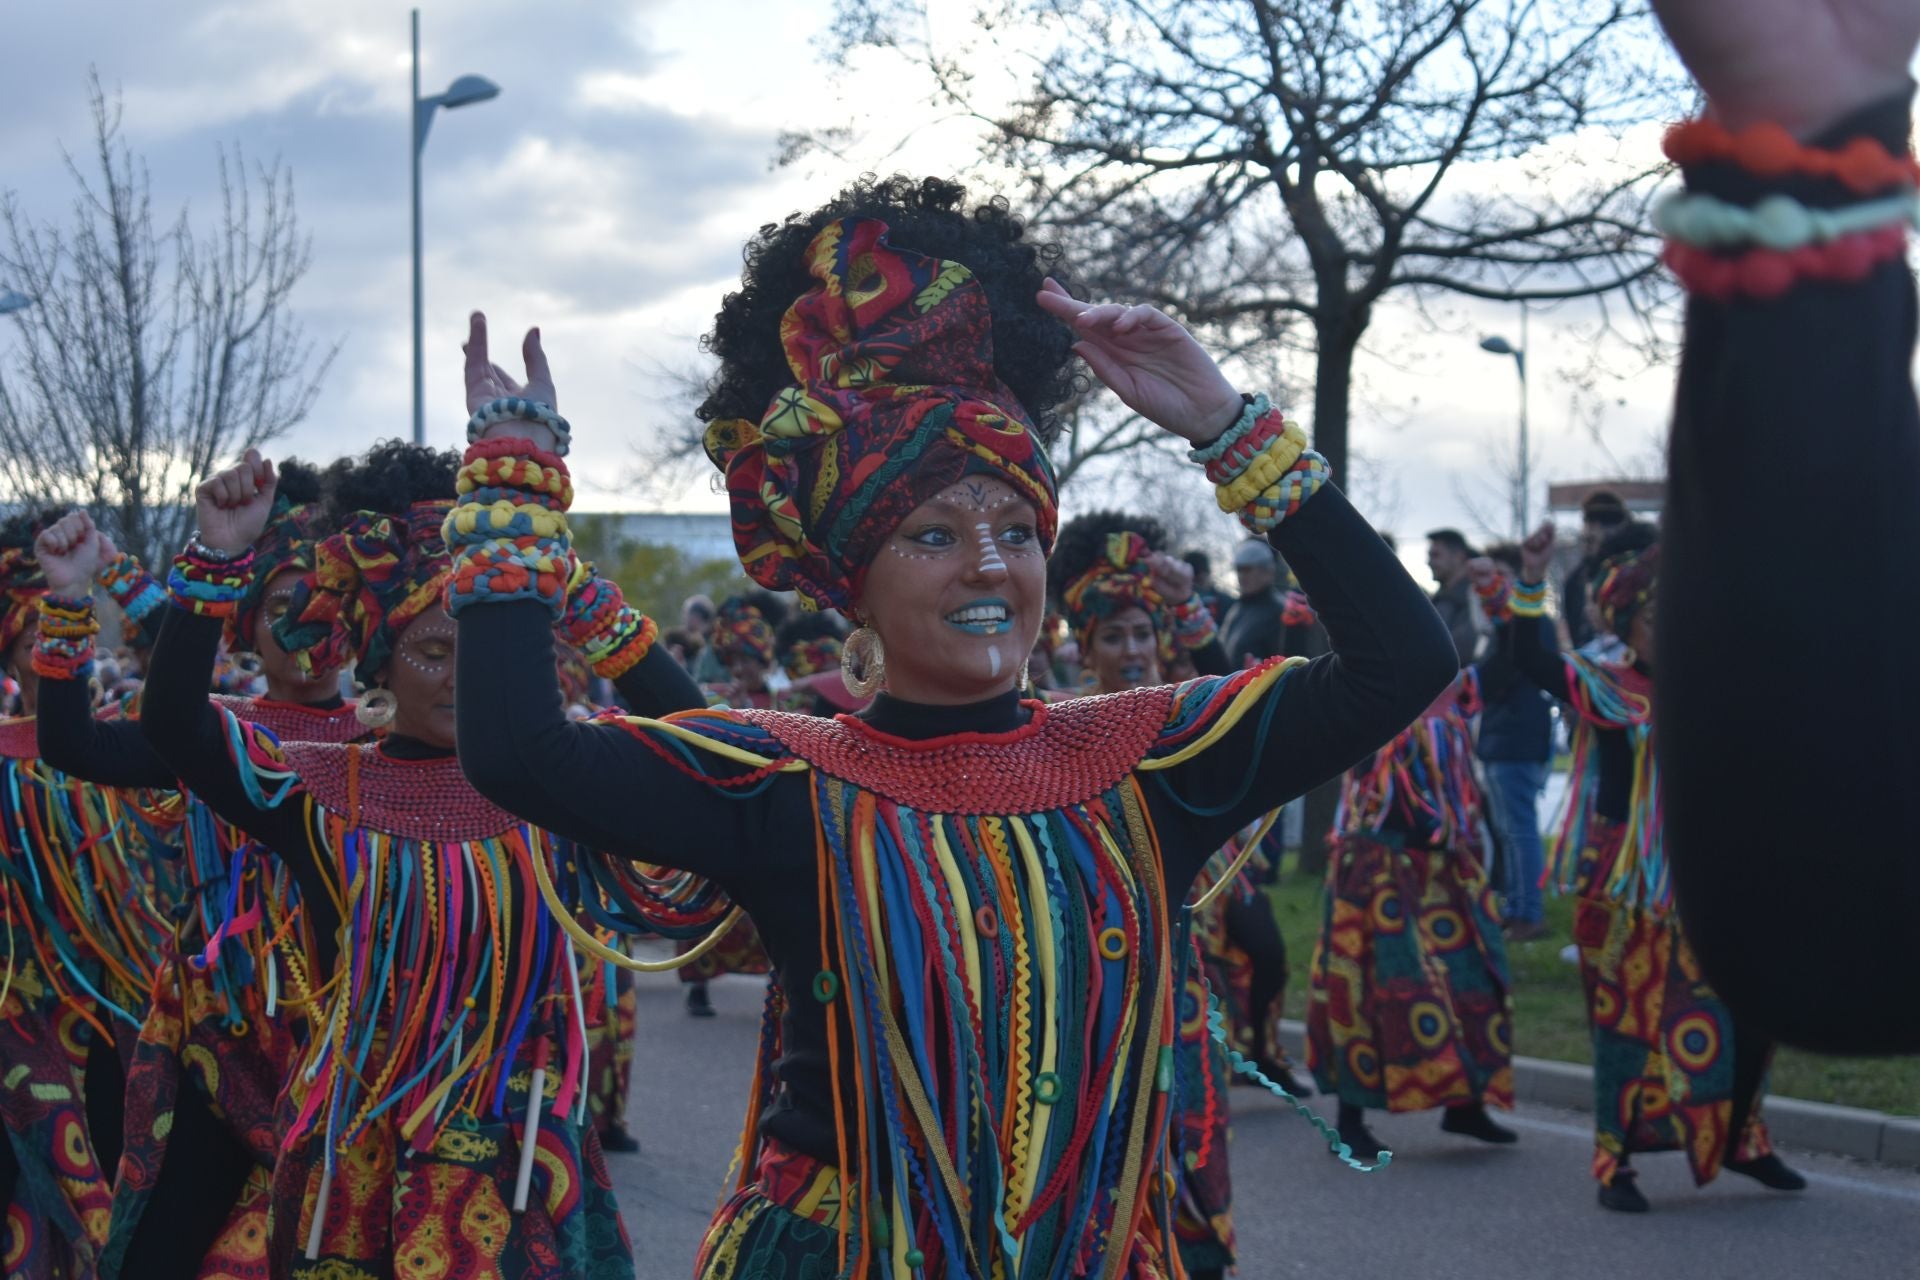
(200, 1180)
(1252, 928)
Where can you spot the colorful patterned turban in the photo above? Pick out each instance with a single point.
(1122, 579)
(289, 541)
(811, 656)
(1626, 584)
(896, 399)
(369, 580)
(740, 628)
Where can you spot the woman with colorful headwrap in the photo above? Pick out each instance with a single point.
(969, 898)
(191, 1197)
(83, 922)
(810, 645)
(742, 641)
(1132, 608)
(1672, 1068)
(440, 1108)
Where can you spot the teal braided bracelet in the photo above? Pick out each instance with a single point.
(1778, 222)
(520, 409)
(1255, 409)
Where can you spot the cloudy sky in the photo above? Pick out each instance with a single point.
(604, 196)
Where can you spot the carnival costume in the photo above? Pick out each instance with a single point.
(437, 1116)
(739, 628)
(1671, 1069)
(1120, 580)
(228, 1006)
(1411, 1006)
(972, 909)
(85, 925)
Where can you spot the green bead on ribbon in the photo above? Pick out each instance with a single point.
(826, 985)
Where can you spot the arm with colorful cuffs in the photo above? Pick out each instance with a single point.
(190, 735)
(1391, 657)
(1811, 391)
(594, 782)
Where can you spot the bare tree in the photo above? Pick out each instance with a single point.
(152, 351)
(1254, 164)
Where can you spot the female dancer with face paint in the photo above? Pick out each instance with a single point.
(969, 897)
(217, 1042)
(83, 927)
(451, 1052)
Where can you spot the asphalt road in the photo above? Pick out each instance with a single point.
(1447, 1207)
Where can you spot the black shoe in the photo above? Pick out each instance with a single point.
(1769, 1171)
(1621, 1195)
(698, 1005)
(1282, 1074)
(1474, 1122)
(619, 1141)
(1364, 1146)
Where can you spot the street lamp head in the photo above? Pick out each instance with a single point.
(468, 90)
(1499, 346)
(11, 301)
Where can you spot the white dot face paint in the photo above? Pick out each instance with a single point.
(990, 561)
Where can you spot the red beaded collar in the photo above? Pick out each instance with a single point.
(1064, 755)
(412, 799)
(291, 722)
(19, 738)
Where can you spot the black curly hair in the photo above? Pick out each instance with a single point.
(388, 478)
(1083, 540)
(21, 528)
(1032, 352)
(807, 625)
(298, 481)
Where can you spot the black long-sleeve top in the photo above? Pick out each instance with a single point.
(599, 785)
(185, 740)
(1530, 645)
(1795, 458)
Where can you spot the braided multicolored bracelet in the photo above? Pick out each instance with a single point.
(1193, 624)
(63, 648)
(1264, 512)
(129, 585)
(1257, 407)
(1527, 600)
(209, 587)
(1496, 600)
(519, 409)
(516, 545)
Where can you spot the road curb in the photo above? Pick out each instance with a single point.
(1809, 1126)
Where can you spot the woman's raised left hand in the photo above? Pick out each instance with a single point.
(1151, 362)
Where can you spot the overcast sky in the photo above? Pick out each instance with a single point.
(604, 196)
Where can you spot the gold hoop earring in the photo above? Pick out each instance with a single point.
(863, 663)
(376, 708)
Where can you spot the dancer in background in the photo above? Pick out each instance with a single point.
(413, 1122)
(1673, 1068)
(217, 1042)
(1411, 1005)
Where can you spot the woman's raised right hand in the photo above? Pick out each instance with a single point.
(231, 507)
(487, 382)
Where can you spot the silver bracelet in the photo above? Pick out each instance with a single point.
(202, 551)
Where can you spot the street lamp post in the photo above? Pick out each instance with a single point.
(11, 301)
(462, 92)
(1501, 347)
